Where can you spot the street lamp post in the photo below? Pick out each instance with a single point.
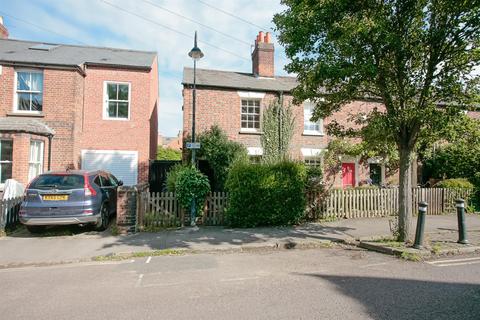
(196, 54)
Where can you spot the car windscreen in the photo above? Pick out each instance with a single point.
(60, 182)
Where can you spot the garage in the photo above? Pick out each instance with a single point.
(122, 164)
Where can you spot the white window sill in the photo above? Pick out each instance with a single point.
(246, 131)
(116, 119)
(312, 133)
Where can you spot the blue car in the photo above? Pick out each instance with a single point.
(70, 197)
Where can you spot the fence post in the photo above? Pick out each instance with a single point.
(422, 210)
(462, 232)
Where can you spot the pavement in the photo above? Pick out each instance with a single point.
(286, 284)
(21, 248)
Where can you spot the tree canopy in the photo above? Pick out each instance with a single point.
(416, 57)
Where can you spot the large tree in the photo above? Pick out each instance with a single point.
(414, 56)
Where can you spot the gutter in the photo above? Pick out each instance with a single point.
(44, 66)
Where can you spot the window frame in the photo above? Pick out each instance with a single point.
(15, 91)
(309, 132)
(6, 161)
(106, 100)
(259, 115)
(41, 157)
(314, 161)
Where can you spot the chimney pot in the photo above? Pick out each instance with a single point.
(261, 36)
(3, 30)
(268, 37)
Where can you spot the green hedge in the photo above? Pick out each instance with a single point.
(266, 194)
(459, 183)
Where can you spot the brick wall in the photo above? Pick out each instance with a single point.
(222, 107)
(133, 134)
(73, 106)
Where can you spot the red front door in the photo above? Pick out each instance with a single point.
(348, 174)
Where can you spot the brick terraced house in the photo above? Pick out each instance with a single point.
(67, 106)
(234, 101)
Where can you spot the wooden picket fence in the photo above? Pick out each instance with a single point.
(9, 209)
(162, 210)
(367, 203)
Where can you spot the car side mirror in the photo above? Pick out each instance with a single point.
(120, 182)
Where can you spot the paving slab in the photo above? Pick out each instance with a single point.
(22, 247)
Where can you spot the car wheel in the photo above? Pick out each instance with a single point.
(102, 224)
(35, 229)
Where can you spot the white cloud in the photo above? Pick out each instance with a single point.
(96, 23)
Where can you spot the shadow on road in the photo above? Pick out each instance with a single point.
(401, 299)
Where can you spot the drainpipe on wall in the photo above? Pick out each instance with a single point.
(49, 151)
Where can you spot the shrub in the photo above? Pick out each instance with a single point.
(266, 194)
(168, 154)
(460, 183)
(220, 153)
(191, 184)
(172, 177)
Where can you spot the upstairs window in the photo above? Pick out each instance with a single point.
(117, 101)
(6, 150)
(311, 127)
(250, 115)
(29, 91)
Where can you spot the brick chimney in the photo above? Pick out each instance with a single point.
(3, 30)
(262, 56)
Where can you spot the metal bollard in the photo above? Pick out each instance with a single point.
(422, 211)
(462, 232)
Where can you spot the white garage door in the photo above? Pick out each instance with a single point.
(122, 164)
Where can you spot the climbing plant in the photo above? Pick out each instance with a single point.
(277, 125)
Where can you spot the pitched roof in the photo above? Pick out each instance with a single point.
(30, 52)
(238, 80)
(11, 124)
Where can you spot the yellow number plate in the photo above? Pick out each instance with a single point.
(61, 197)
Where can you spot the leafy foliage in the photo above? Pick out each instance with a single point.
(172, 175)
(266, 194)
(278, 124)
(220, 153)
(409, 55)
(460, 183)
(168, 154)
(191, 184)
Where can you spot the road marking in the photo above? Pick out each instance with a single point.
(239, 279)
(148, 260)
(139, 281)
(374, 265)
(454, 262)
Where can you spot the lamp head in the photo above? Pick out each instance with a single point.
(196, 54)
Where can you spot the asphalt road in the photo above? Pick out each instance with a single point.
(296, 284)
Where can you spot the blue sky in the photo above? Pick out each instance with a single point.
(94, 22)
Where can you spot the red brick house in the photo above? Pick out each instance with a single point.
(67, 106)
(234, 101)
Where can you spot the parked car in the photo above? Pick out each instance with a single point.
(70, 197)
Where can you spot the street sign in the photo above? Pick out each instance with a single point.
(193, 145)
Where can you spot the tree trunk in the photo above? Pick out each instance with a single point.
(405, 195)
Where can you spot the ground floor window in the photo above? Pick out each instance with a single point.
(313, 161)
(255, 159)
(376, 174)
(35, 164)
(6, 151)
